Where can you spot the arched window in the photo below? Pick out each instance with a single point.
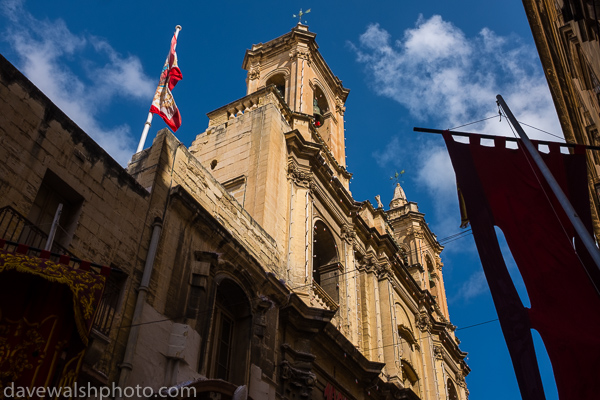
(409, 377)
(432, 276)
(279, 82)
(231, 334)
(407, 341)
(320, 107)
(452, 393)
(326, 266)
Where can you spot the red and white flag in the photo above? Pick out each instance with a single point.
(163, 102)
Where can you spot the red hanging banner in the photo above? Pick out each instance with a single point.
(503, 187)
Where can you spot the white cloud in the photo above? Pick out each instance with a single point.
(473, 287)
(47, 51)
(446, 79)
(443, 77)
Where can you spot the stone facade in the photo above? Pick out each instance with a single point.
(246, 261)
(567, 36)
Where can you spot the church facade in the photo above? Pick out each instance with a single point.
(246, 269)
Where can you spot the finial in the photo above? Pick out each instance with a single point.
(396, 177)
(399, 199)
(178, 28)
(300, 14)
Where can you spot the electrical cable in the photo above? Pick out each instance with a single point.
(199, 313)
(474, 325)
(474, 122)
(548, 133)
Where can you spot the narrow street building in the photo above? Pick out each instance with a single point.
(567, 36)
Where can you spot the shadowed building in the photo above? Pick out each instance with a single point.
(566, 33)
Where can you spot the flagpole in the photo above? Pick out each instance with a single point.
(148, 123)
(584, 235)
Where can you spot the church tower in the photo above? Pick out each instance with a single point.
(313, 93)
(419, 247)
(279, 151)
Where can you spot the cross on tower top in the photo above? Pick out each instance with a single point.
(300, 14)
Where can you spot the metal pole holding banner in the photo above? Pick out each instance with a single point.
(148, 123)
(147, 126)
(584, 235)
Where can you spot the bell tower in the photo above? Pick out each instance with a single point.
(286, 133)
(420, 249)
(279, 152)
(315, 96)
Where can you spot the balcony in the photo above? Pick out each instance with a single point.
(19, 235)
(15, 227)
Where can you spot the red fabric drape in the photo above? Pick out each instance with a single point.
(46, 313)
(501, 187)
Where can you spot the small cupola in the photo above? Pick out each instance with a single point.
(399, 199)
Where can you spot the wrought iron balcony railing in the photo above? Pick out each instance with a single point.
(18, 234)
(16, 228)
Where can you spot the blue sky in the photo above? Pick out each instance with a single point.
(435, 64)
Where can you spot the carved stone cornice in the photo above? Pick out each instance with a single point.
(439, 352)
(297, 380)
(424, 323)
(254, 73)
(348, 233)
(339, 106)
(300, 54)
(300, 178)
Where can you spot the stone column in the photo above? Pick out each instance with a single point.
(388, 327)
(349, 283)
(427, 370)
(299, 257)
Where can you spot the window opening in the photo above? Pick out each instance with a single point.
(279, 82)
(326, 266)
(320, 107)
(52, 192)
(232, 332)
